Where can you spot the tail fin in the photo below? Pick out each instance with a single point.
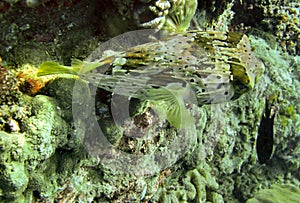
(50, 67)
(77, 67)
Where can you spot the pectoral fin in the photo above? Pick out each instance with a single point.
(170, 105)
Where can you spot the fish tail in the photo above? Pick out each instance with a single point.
(51, 67)
(77, 67)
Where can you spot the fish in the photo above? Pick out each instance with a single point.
(212, 66)
(265, 137)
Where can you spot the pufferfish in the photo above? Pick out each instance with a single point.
(213, 66)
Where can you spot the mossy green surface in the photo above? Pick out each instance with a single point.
(229, 150)
(277, 194)
(44, 159)
(41, 133)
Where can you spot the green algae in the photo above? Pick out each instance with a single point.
(232, 158)
(52, 164)
(23, 152)
(14, 179)
(277, 194)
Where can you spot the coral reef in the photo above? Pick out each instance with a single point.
(283, 21)
(9, 86)
(281, 18)
(22, 153)
(230, 157)
(277, 194)
(43, 158)
(33, 35)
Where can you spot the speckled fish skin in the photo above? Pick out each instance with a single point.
(218, 66)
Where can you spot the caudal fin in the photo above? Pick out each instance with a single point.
(50, 68)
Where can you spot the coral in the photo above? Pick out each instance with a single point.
(280, 81)
(229, 153)
(10, 97)
(213, 171)
(9, 86)
(198, 185)
(63, 95)
(277, 194)
(51, 155)
(283, 21)
(172, 15)
(43, 157)
(14, 179)
(281, 18)
(21, 153)
(14, 107)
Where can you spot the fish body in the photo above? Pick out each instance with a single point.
(216, 66)
(265, 137)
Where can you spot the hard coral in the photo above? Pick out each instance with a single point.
(284, 21)
(277, 194)
(281, 18)
(172, 15)
(9, 86)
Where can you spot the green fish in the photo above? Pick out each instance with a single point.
(212, 67)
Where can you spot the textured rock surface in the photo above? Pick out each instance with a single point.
(43, 158)
(276, 194)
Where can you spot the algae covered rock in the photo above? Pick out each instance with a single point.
(44, 157)
(281, 18)
(9, 86)
(42, 131)
(277, 194)
(45, 129)
(229, 148)
(13, 175)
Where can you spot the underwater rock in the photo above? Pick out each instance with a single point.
(277, 194)
(13, 175)
(9, 87)
(222, 166)
(231, 156)
(281, 18)
(42, 131)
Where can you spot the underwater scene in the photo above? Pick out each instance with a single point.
(151, 101)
